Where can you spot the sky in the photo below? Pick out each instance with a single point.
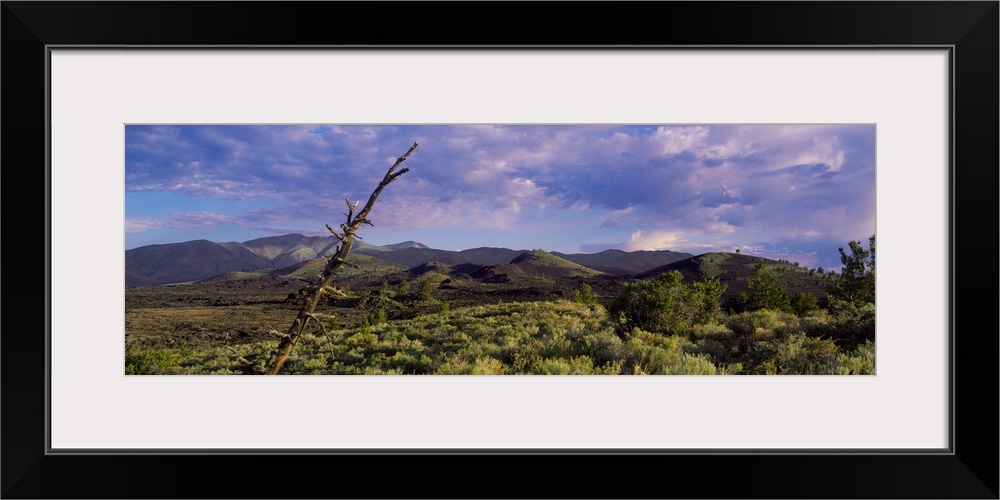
(795, 192)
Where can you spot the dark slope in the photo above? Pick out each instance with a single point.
(621, 262)
(733, 270)
(188, 261)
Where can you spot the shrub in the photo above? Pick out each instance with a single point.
(797, 355)
(585, 295)
(488, 366)
(410, 363)
(763, 323)
(375, 318)
(603, 347)
(851, 324)
(803, 303)
(809, 355)
(740, 324)
(711, 331)
(150, 361)
(859, 362)
(650, 353)
(556, 366)
(717, 350)
(856, 283)
(692, 364)
(765, 291)
(665, 305)
(424, 290)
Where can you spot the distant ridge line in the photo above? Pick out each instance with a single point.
(194, 260)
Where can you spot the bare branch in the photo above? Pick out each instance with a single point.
(278, 334)
(319, 324)
(241, 359)
(322, 329)
(344, 262)
(350, 209)
(339, 237)
(349, 228)
(390, 176)
(397, 174)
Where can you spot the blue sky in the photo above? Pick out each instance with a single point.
(795, 192)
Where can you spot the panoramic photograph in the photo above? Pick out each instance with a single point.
(639, 249)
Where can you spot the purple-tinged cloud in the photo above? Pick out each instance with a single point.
(688, 187)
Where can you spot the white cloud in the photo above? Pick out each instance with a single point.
(672, 140)
(141, 224)
(654, 240)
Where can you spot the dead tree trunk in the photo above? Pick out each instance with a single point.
(349, 229)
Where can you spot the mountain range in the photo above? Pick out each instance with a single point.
(202, 259)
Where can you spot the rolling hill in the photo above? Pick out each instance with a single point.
(621, 262)
(733, 270)
(532, 265)
(544, 263)
(202, 259)
(188, 261)
(361, 265)
(274, 247)
(485, 256)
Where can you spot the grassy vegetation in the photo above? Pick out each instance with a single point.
(551, 338)
(659, 326)
(361, 265)
(711, 264)
(540, 261)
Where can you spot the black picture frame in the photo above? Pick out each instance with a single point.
(969, 28)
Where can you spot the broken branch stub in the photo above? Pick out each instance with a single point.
(354, 221)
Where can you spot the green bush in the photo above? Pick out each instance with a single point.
(717, 350)
(861, 361)
(585, 295)
(856, 282)
(648, 353)
(851, 324)
(803, 303)
(692, 364)
(764, 323)
(333, 324)
(666, 305)
(603, 346)
(424, 291)
(765, 291)
(487, 366)
(711, 331)
(375, 318)
(741, 324)
(150, 361)
(797, 355)
(556, 366)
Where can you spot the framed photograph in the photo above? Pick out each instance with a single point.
(740, 141)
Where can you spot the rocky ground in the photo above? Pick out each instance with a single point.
(234, 311)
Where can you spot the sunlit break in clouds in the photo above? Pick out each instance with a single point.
(795, 192)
